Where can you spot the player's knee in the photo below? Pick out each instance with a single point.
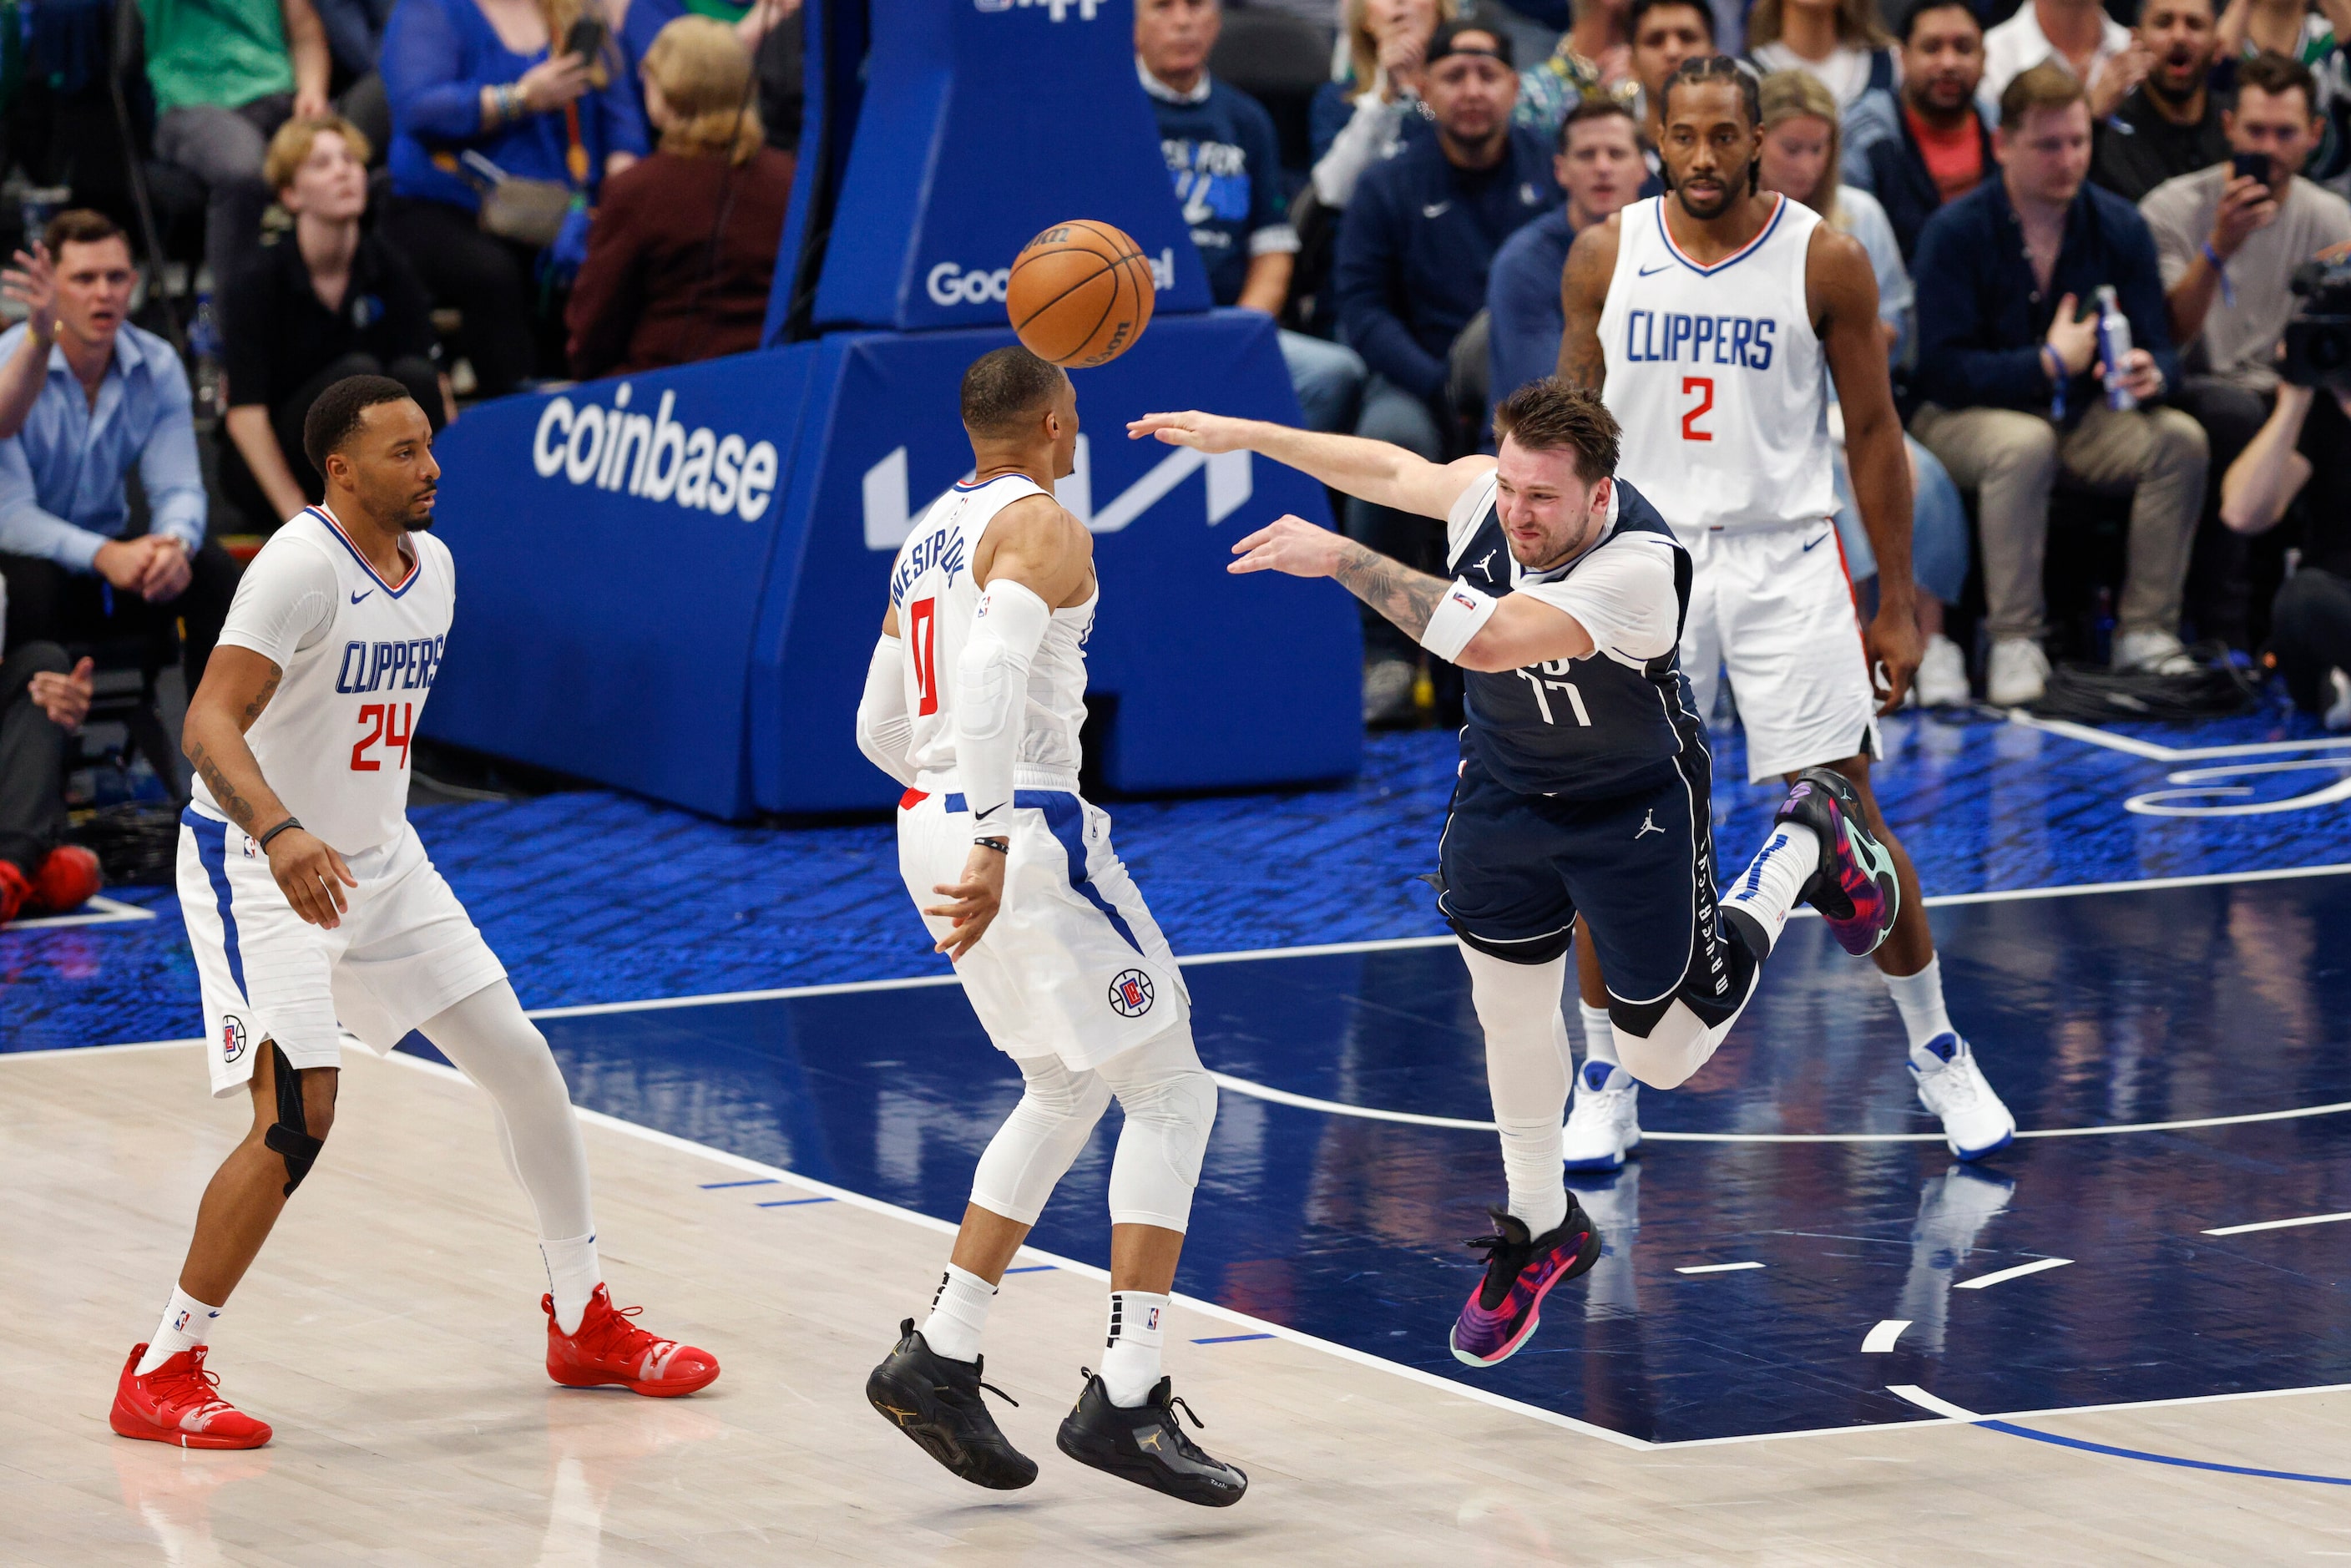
(1661, 1046)
(302, 1112)
(1176, 1108)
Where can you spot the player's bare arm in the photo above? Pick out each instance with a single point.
(1582, 291)
(1521, 630)
(1842, 292)
(238, 684)
(1374, 471)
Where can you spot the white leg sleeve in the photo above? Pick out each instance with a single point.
(1527, 1057)
(1170, 1103)
(491, 1042)
(1033, 1149)
(1676, 1045)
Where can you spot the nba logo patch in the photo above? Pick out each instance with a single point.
(179, 1324)
(1130, 994)
(1151, 1323)
(232, 1037)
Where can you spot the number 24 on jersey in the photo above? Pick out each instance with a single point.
(390, 725)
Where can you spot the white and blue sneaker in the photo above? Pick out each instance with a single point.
(1604, 1119)
(1951, 1084)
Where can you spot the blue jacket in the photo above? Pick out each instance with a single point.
(1414, 248)
(1981, 320)
(1526, 318)
(1892, 169)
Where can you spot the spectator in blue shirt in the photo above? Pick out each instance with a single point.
(1414, 248)
(2007, 278)
(1221, 152)
(1924, 143)
(1599, 166)
(482, 79)
(84, 398)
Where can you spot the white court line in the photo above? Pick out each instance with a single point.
(2155, 751)
(1880, 1340)
(2019, 1271)
(2278, 1224)
(99, 911)
(1714, 1268)
(1943, 1407)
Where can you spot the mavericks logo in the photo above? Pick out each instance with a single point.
(1131, 995)
(654, 457)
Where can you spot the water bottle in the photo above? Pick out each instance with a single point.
(2114, 348)
(204, 343)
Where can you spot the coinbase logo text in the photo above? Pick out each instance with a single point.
(654, 456)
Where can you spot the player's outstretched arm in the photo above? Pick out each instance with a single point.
(1471, 630)
(1582, 291)
(1375, 471)
(237, 685)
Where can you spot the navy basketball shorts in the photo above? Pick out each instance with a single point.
(1639, 866)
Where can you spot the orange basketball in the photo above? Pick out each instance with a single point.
(1080, 294)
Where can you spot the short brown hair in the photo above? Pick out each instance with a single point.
(80, 226)
(1007, 387)
(2277, 75)
(294, 139)
(2045, 86)
(1595, 109)
(1551, 415)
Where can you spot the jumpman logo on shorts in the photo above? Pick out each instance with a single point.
(1648, 825)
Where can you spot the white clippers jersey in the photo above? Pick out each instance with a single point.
(358, 656)
(932, 588)
(1716, 375)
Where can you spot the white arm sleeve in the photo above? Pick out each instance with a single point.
(1624, 596)
(884, 729)
(992, 691)
(285, 602)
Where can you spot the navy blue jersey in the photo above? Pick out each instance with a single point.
(1596, 726)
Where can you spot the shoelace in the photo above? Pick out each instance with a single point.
(204, 1387)
(630, 1338)
(1183, 1444)
(1503, 1255)
(1959, 1087)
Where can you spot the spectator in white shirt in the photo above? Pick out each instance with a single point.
(2075, 36)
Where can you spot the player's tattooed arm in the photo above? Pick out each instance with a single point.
(237, 686)
(253, 709)
(1406, 597)
(1582, 291)
(240, 809)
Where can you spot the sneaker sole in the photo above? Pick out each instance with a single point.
(668, 1388)
(1147, 1476)
(1971, 1155)
(1585, 1257)
(934, 1437)
(1603, 1161)
(179, 1440)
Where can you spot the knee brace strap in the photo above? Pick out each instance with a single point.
(290, 1136)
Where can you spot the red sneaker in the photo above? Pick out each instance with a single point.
(69, 878)
(13, 890)
(610, 1349)
(176, 1404)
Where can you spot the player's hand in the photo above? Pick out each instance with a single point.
(973, 902)
(1292, 545)
(1892, 647)
(312, 875)
(1210, 432)
(2076, 341)
(2142, 377)
(168, 570)
(33, 283)
(65, 698)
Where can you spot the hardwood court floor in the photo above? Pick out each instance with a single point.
(392, 1334)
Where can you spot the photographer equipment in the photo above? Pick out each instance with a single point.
(2318, 337)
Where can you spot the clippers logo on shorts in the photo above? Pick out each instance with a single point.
(232, 1037)
(1131, 995)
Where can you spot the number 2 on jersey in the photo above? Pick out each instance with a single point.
(1704, 387)
(922, 637)
(393, 724)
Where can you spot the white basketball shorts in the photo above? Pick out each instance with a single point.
(1773, 606)
(405, 951)
(1073, 966)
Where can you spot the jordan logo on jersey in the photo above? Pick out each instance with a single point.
(1667, 335)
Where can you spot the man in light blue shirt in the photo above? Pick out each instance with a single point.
(84, 398)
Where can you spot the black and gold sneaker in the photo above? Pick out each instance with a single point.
(936, 1402)
(1144, 1443)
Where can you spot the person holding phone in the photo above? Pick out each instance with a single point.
(2228, 239)
(498, 108)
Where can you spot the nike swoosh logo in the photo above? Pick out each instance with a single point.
(357, 597)
(1647, 271)
(1808, 546)
(1437, 210)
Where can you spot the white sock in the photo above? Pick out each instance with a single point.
(1767, 890)
(1599, 1034)
(573, 1275)
(1534, 1163)
(187, 1323)
(959, 1313)
(1920, 999)
(1138, 1327)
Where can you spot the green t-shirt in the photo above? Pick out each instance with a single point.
(222, 52)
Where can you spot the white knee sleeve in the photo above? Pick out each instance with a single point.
(490, 1042)
(1529, 1060)
(1170, 1103)
(1034, 1148)
(1677, 1045)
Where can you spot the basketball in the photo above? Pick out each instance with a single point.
(1080, 294)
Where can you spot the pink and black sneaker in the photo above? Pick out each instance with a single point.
(1520, 1272)
(1855, 889)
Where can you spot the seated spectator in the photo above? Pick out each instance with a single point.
(2308, 32)
(2300, 461)
(354, 44)
(226, 75)
(1221, 152)
(1799, 159)
(479, 79)
(655, 290)
(1936, 147)
(1664, 34)
(1415, 250)
(2008, 360)
(1593, 60)
(2078, 37)
(1599, 166)
(1837, 42)
(110, 397)
(2228, 245)
(325, 302)
(43, 696)
(2169, 124)
(1373, 106)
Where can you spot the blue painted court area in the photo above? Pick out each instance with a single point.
(1799, 1155)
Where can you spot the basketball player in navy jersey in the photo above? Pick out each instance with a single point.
(1712, 320)
(1584, 784)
